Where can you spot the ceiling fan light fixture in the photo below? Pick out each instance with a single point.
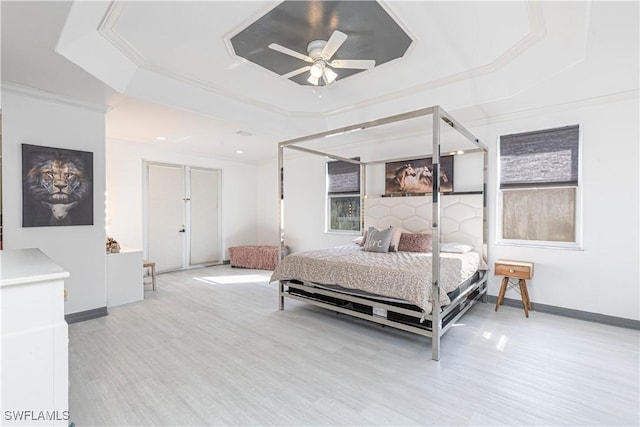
(317, 69)
(319, 56)
(330, 75)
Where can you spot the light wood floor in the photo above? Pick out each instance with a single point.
(197, 352)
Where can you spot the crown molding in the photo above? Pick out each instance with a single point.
(106, 29)
(17, 89)
(552, 108)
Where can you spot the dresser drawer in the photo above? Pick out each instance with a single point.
(517, 269)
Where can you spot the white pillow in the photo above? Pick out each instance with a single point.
(358, 240)
(456, 248)
(395, 239)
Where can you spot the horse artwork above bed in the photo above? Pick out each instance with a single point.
(398, 178)
(415, 176)
(422, 261)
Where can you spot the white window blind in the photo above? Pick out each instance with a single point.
(343, 177)
(540, 158)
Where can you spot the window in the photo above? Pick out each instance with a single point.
(343, 196)
(539, 187)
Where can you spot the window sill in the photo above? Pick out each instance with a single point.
(344, 232)
(541, 244)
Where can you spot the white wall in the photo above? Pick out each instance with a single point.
(125, 192)
(78, 249)
(267, 203)
(603, 278)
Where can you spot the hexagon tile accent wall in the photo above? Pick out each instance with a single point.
(460, 221)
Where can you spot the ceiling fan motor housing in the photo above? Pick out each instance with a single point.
(314, 49)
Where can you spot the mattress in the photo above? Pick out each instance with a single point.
(394, 301)
(402, 276)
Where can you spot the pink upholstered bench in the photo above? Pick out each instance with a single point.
(258, 257)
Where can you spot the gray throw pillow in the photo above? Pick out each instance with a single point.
(378, 240)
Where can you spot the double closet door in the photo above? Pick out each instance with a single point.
(183, 216)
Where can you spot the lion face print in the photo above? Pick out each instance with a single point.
(56, 177)
(58, 180)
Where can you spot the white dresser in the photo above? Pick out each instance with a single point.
(34, 347)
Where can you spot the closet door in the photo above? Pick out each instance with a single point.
(204, 216)
(166, 213)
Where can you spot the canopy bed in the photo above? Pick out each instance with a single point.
(424, 290)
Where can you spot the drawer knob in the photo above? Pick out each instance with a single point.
(511, 270)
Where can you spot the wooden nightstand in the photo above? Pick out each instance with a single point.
(520, 270)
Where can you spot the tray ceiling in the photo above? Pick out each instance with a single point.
(483, 58)
(188, 42)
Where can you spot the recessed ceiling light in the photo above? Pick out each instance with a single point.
(244, 133)
(239, 152)
(161, 138)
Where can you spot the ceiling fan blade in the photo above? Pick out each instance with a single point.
(295, 72)
(333, 44)
(360, 64)
(289, 52)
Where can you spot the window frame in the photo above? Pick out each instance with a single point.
(578, 220)
(330, 196)
(328, 228)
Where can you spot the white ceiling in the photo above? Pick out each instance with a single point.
(167, 69)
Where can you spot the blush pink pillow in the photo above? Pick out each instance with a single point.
(415, 242)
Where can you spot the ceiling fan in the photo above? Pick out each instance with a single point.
(319, 53)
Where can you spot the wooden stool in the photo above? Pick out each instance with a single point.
(152, 266)
(520, 270)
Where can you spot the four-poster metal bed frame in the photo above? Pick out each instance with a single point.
(438, 115)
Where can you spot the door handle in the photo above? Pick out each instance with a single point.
(182, 230)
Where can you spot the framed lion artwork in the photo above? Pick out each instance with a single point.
(57, 187)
